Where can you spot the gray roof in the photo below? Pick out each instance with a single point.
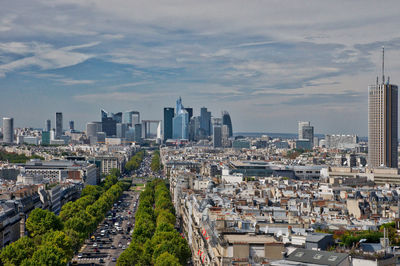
(317, 257)
(316, 237)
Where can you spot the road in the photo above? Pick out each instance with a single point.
(107, 242)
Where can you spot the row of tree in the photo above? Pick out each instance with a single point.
(52, 239)
(135, 161)
(155, 240)
(155, 162)
(13, 157)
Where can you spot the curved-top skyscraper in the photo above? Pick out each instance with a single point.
(226, 120)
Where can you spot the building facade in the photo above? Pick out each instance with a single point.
(8, 130)
(59, 125)
(382, 124)
(168, 116)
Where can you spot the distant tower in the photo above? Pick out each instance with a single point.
(226, 120)
(217, 133)
(180, 123)
(306, 131)
(59, 125)
(48, 125)
(168, 116)
(382, 122)
(8, 130)
(71, 125)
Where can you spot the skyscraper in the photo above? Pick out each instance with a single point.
(205, 122)
(382, 123)
(8, 130)
(71, 125)
(180, 123)
(59, 125)
(226, 120)
(306, 131)
(131, 118)
(48, 125)
(190, 112)
(109, 122)
(217, 132)
(168, 116)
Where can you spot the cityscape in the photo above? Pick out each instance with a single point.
(186, 133)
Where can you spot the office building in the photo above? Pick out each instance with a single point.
(138, 133)
(109, 122)
(217, 132)
(205, 122)
(121, 130)
(48, 125)
(190, 112)
(382, 123)
(306, 132)
(59, 125)
(131, 118)
(168, 116)
(71, 125)
(341, 141)
(45, 138)
(8, 130)
(180, 123)
(226, 120)
(92, 128)
(194, 128)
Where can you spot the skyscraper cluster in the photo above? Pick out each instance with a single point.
(180, 124)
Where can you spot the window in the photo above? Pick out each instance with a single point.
(332, 258)
(299, 254)
(317, 256)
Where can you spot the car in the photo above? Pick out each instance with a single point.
(80, 255)
(94, 244)
(113, 259)
(101, 260)
(120, 245)
(113, 247)
(123, 247)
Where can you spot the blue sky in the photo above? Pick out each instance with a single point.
(269, 63)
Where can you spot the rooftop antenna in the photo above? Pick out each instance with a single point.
(383, 64)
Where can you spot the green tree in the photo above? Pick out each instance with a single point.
(41, 221)
(92, 190)
(167, 259)
(61, 240)
(49, 255)
(17, 251)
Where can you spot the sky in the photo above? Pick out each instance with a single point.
(268, 63)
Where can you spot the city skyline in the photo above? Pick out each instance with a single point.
(268, 71)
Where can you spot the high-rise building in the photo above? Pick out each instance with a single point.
(92, 128)
(109, 122)
(48, 125)
(71, 125)
(45, 138)
(306, 131)
(226, 120)
(217, 132)
(180, 123)
(190, 112)
(8, 130)
(168, 116)
(121, 130)
(205, 122)
(131, 118)
(138, 133)
(382, 123)
(59, 125)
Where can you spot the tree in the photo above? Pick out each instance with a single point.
(167, 259)
(49, 255)
(41, 221)
(94, 191)
(17, 251)
(61, 240)
(165, 216)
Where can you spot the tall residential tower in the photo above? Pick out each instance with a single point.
(382, 122)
